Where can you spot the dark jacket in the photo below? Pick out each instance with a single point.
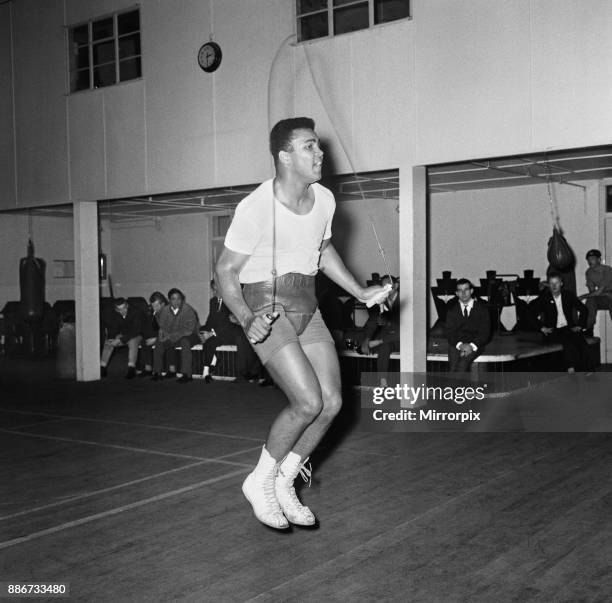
(218, 319)
(126, 328)
(476, 328)
(543, 310)
(385, 325)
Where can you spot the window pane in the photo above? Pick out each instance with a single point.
(104, 52)
(80, 34)
(351, 18)
(390, 10)
(609, 199)
(102, 29)
(129, 46)
(79, 80)
(129, 69)
(341, 2)
(82, 57)
(128, 22)
(314, 26)
(104, 76)
(309, 6)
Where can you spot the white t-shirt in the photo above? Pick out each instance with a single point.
(298, 237)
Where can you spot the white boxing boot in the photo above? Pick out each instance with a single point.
(258, 489)
(293, 509)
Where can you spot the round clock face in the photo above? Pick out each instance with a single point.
(209, 56)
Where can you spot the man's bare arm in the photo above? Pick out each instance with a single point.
(331, 265)
(228, 267)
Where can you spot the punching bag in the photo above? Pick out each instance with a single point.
(32, 286)
(560, 255)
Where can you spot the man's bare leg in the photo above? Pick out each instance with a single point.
(293, 373)
(323, 359)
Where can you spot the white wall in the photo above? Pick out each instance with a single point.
(179, 128)
(7, 153)
(354, 239)
(496, 79)
(507, 230)
(175, 253)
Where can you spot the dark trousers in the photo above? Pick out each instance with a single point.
(211, 344)
(575, 348)
(383, 354)
(597, 302)
(248, 365)
(161, 347)
(458, 363)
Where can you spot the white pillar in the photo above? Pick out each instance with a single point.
(86, 290)
(413, 268)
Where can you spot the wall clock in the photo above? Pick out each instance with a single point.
(209, 56)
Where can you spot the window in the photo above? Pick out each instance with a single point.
(105, 51)
(218, 229)
(608, 199)
(322, 18)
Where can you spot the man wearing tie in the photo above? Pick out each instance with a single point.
(468, 327)
(218, 330)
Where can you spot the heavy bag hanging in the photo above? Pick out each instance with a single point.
(560, 255)
(32, 286)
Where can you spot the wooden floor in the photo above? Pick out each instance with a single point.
(130, 491)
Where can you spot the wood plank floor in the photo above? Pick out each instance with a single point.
(130, 491)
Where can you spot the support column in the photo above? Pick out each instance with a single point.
(86, 290)
(413, 268)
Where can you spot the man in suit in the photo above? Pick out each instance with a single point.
(468, 328)
(562, 318)
(217, 330)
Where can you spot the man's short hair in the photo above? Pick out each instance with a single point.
(175, 291)
(119, 301)
(159, 297)
(555, 274)
(282, 134)
(593, 252)
(464, 281)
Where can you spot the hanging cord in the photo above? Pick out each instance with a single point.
(273, 250)
(350, 161)
(554, 209)
(273, 271)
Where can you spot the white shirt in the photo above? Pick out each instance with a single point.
(298, 237)
(561, 320)
(467, 307)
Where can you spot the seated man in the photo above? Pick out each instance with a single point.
(178, 326)
(468, 328)
(599, 283)
(382, 331)
(553, 312)
(125, 327)
(157, 301)
(218, 330)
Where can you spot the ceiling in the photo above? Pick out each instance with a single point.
(371, 185)
(568, 167)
